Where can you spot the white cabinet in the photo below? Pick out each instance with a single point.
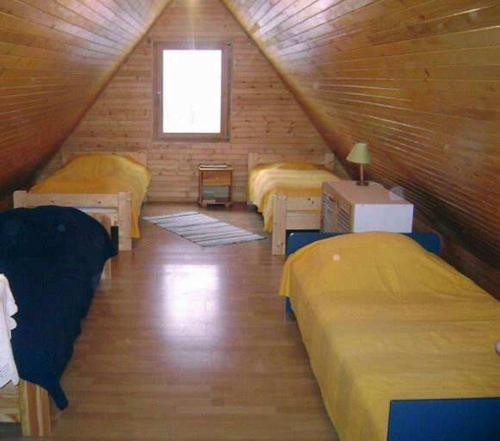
(349, 207)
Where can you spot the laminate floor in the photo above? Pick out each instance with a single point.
(190, 343)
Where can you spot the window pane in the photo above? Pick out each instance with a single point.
(192, 91)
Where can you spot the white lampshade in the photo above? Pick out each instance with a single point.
(360, 154)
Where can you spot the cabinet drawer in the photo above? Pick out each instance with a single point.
(216, 193)
(216, 177)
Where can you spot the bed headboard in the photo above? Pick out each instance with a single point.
(325, 159)
(296, 240)
(140, 156)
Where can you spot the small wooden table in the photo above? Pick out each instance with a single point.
(215, 184)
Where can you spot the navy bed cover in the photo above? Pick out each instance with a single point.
(53, 258)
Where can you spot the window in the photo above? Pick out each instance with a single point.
(192, 91)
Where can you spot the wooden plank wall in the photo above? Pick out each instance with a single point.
(55, 55)
(264, 115)
(419, 81)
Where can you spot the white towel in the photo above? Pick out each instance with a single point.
(8, 307)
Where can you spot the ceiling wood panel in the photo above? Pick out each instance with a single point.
(417, 79)
(55, 56)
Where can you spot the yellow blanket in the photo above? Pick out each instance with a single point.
(383, 319)
(101, 174)
(290, 179)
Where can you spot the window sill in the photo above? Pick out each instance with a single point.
(192, 138)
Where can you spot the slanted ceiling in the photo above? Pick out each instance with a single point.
(55, 56)
(419, 81)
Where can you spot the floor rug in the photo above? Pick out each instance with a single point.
(202, 230)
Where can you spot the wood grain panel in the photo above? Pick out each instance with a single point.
(265, 116)
(55, 55)
(419, 81)
(9, 399)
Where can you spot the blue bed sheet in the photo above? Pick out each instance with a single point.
(53, 257)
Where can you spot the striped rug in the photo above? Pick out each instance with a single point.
(202, 230)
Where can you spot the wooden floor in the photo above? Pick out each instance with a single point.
(190, 343)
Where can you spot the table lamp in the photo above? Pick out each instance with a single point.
(360, 155)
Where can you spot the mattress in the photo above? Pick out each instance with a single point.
(382, 319)
(101, 174)
(290, 179)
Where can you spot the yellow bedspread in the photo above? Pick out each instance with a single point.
(96, 174)
(290, 179)
(383, 319)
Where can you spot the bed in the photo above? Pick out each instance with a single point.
(401, 344)
(53, 258)
(111, 187)
(287, 191)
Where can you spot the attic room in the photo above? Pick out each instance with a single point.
(249, 220)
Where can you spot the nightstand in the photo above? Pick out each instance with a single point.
(347, 207)
(215, 184)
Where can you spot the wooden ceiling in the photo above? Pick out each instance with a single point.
(418, 80)
(55, 56)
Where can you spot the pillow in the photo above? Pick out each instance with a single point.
(288, 166)
(297, 166)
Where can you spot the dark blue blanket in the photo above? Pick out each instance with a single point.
(53, 258)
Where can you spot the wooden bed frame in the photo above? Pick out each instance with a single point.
(114, 208)
(292, 213)
(29, 405)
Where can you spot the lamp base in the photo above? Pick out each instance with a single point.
(362, 183)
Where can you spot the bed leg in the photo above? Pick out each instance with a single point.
(20, 198)
(124, 221)
(289, 314)
(34, 404)
(106, 222)
(279, 225)
(106, 271)
(124, 243)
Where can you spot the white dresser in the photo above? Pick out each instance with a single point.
(349, 207)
